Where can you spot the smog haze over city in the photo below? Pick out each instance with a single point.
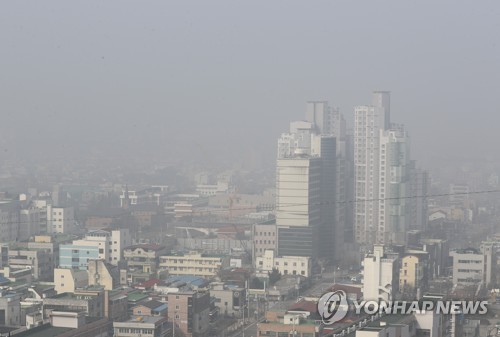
(191, 80)
(232, 168)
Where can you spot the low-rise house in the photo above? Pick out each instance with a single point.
(89, 301)
(150, 308)
(142, 261)
(229, 299)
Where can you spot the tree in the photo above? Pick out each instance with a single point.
(255, 283)
(274, 276)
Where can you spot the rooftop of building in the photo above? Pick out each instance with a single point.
(136, 296)
(153, 304)
(149, 283)
(416, 252)
(46, 330)
(376, 325)
(469, 250)
(188, 279)
(71, 296)
(304, 305)
(147, 246)
(348, 288)
(108, 213)
(194, 253)
(4, 280)
(391, 320)
(142, 320)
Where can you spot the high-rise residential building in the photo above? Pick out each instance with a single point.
(418, 202)
(382, 99)
(326, 120)
(382, 171)
(393, 188)
(368, 121)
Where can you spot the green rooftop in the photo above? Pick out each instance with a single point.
(134, 297)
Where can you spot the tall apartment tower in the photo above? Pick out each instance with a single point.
(382, 171)
(419, 189)
(368, 122)
(325, 119)
(382, 99)
(394, 184)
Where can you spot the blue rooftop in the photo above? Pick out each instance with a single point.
(161, 308)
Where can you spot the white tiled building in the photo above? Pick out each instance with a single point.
(192, 264)
(286, 265)
(60, 220)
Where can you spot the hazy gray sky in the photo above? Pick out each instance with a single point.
(217, 77)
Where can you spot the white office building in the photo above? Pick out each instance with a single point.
(286, 265)
(297, 205)
(472, 266)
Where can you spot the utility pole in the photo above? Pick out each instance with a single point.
(243, 333)
(173, 325)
